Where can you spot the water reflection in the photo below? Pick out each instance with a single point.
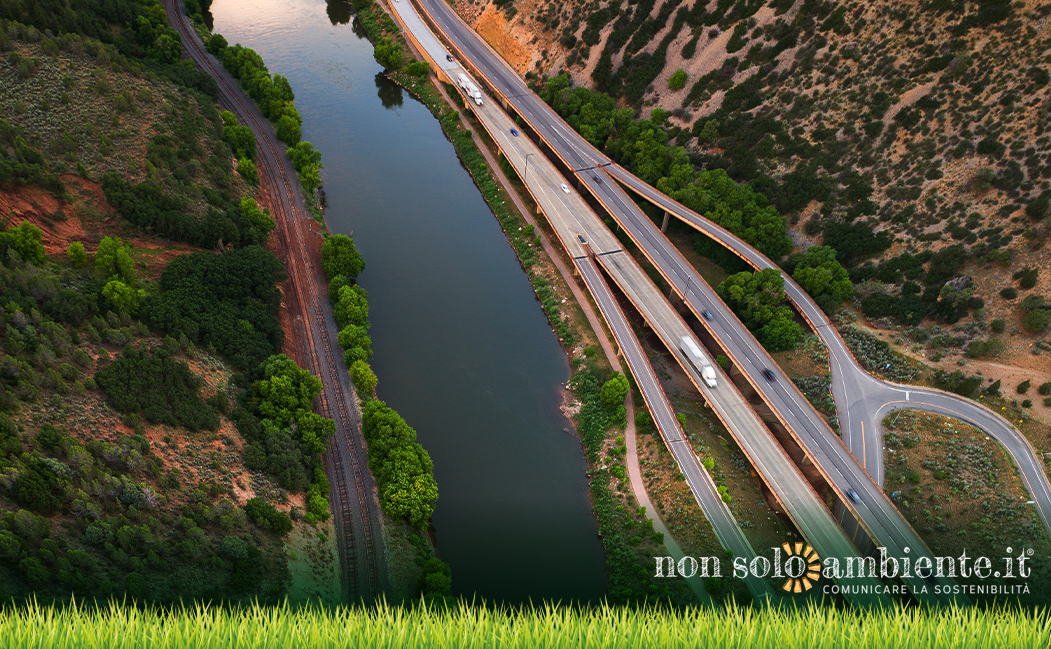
(390, 93)
(338, 12)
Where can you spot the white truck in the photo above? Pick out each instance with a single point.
(469, 88)
(698, 360)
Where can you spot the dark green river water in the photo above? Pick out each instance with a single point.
(462, 348)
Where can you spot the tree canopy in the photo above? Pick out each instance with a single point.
(229, 301)
(819, 274)
(339, 256)
(759, 300)
(403, 469)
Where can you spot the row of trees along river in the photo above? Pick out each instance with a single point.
(461, 348)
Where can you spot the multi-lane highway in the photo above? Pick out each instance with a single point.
(876, 513)
(591, 245)
(859, 396)
(354, 501)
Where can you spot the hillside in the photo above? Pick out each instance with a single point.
(908, 137)
(141, 450)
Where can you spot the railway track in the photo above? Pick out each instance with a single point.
(355, 506)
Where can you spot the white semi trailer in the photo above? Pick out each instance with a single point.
(698, 360)
(468, 87)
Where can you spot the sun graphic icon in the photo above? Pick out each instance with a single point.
(803, 567)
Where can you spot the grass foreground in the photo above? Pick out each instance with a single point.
(254, 627)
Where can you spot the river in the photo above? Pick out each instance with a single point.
(462, 348)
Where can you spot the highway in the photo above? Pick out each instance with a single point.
(589, 242)
(862, 400)
(355, 504)
(873, 509)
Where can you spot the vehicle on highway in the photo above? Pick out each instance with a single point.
(514, 132)
(596, 179)
(449, 58)
(564, 188)
(698, 360)
(768, 374)
(582, 239)
(853, 495)
(469, 88)
(707, 314)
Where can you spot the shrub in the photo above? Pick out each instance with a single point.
(1027, 277)
(678, 80)
(997, 326)
(1023, 387)
(76, 254)
(1045, 388)
(614, 391)
(364, 378)
(162, 388)
(1027, 403)
(339, 256)
(268, 517)
(1008, 293)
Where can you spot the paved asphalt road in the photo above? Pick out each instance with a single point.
(875, 511)
(574, 220)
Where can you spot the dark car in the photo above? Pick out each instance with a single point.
(514, 132)
(707, 314)
(768, 374)
(854, 495)
(596, 179)
(449, 58)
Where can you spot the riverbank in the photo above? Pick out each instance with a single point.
(627, 530)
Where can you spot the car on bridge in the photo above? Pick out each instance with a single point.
(514, 132)
(768, 374)
(564, 188)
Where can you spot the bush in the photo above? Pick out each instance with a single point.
(1027, 403)
(678, 80)
(997, 326)
(163, 389)
(77, 255)
(1027, 277)
(228, 301)
(339, 256)
(1008, 293)
(418, 69)
(403, 469)
(267, 517)
(364, 378)
(1023, 387)
(614, 391)
(1045, 388)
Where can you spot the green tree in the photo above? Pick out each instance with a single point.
(821, 275)
(124, 297)
(289, 127)
(352, 306)
(364, 378)
(758, 299)
(436, 578)
(260, 218)
(76, 254)
(678, 80)
(26, 239)
(287, 391)
(339, 256)
(614, 390)
(1037, 320)
(113, 260)
(388, 54)
(240, 138)
(1038, 207)
(1023, 387)
(246, 168)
